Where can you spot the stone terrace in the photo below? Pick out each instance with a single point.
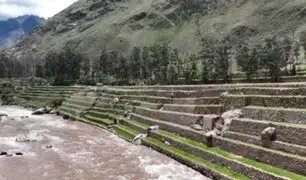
(189, 119)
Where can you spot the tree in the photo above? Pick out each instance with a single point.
(270, 56)
(3, 65)
(145, 64)
(286, 48)
(303, 41)
(296, 54)
(122, 69)
(208, 56)
(248, 61)
(175, 59)
(222, 60)
(172, 74)
(135, 64)
(105, 63)
(39, 71)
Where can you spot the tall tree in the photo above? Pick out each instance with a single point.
(222, 60)
(248, 61)
(135, 64)
(145, 64)
(270, 56)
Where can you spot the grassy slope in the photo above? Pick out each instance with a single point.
(114, 30)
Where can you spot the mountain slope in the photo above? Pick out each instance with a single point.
(13, 29)
(92, 25)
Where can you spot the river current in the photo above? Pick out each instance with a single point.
(56, 149)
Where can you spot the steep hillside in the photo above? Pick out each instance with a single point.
(91, 25)
(12, 29)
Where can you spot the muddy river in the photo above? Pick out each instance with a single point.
(50, 148)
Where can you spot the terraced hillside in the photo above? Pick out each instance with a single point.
(189, 116)
(45, 95)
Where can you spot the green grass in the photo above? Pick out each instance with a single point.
(262, 166)
(198, 160)
(104, 121)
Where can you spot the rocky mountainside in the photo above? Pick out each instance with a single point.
(89, 26)
(13, 29)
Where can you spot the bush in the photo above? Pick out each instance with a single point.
(88, 81)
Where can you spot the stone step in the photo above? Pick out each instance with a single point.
(185, 119)
(288, 115)
(290, 162)
(253, 169)
(75, 106)
(205, 167)
(58, 87)
(40, 97)
(239, 101)
(81, 103)
(46, 95)
(49, 91)
(269, 90)
(277, 145)
(165, 100)
(290, 133)
(104, 121)
(171, 127)
(195, 109)
(70, 111)
(165, 93)
(105, 114)
(215, 86)
(125, 103)
(83, 98)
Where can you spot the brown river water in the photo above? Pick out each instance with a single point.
(56, 149)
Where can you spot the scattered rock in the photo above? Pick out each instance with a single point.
(224, 94)
(53, 111)
(18, 154)
(22, 138)
(58, 113)
(197, 127)
(47, 110)
(66, 116)
(3, 153)
(9, 155)
(24, 117)
(49, 146)
(2, 116)
(137, 139)
(267, 136)
(115, 100)
(227, 118)
(39, 111)
(153, 128)
(168, 143)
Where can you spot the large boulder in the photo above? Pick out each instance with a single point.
(205, 123)
(227, 117)
(267, 136)
(47, 110)
(2, 116)
(39, 111)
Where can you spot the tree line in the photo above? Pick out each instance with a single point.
(161, 64)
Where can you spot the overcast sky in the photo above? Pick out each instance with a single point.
(42, 8)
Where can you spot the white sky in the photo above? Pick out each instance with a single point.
(42, 8)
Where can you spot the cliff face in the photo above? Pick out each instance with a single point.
(92, 25)
(13, 29)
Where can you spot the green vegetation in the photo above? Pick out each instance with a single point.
(198, 160)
